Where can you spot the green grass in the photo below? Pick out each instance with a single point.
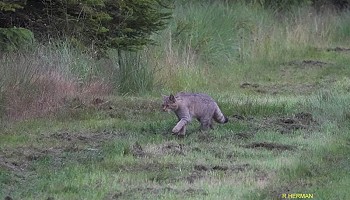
(97, 159)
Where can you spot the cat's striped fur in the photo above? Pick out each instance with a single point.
(193, 105)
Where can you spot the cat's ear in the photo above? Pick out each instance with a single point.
(172, 98)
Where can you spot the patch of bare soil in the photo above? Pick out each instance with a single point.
(92, 139)
(154, 191)
(137, 151)
(307, 63)
(284, 125)
(194, 175)
(200, 171)
(240, 117)
(19, 163)
(270, 146)
(173, 148)
(302, 88)
(152, 150)
(20, 159)
(249, 85)
(302, 120)
(117, 108)
(12, 165)
(126, 109)
(338, 49)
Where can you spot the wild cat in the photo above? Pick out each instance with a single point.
(193, 105)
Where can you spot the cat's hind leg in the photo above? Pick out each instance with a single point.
(206, 123)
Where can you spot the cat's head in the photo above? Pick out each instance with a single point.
(169, 103)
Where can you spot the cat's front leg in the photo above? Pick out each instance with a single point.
(176, 129)
(180, 126)
(182, 131)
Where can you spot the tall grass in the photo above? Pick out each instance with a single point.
(238, 36)
(133, 71)
(39, 82)
(342, 29)
(330, 106)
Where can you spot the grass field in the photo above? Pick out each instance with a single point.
(284, 87)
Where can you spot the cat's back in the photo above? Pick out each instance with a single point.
(193, 98)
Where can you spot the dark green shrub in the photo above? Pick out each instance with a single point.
(12, 39)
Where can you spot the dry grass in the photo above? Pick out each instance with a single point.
(47, 93)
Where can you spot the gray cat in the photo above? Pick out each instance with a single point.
(189, 105)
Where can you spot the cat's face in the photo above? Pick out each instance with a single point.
(169, 103)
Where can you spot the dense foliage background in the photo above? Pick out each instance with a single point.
(103, 23)
(126, 24)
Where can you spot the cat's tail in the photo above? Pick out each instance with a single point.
(219, 117)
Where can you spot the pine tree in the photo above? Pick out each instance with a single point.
(120, 24)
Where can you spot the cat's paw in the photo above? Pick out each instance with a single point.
(175, 130)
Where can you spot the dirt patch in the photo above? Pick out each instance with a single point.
(201, 168)
(136, 150)
(238, 117)
(113, 108)
(8, 198)
(93, 139)
(200, 171)
(194, 175)
(302, 120)
(302, 88)
(18, 160)
(173, 148)
(129, 109)
(220, 168)
(235, 168)
(305, 118)
(338, 49)
(270, 146)
(249, 85)
(166, 148)
(11, 165)
(307, 63)
(284, 124)
(154, 191)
